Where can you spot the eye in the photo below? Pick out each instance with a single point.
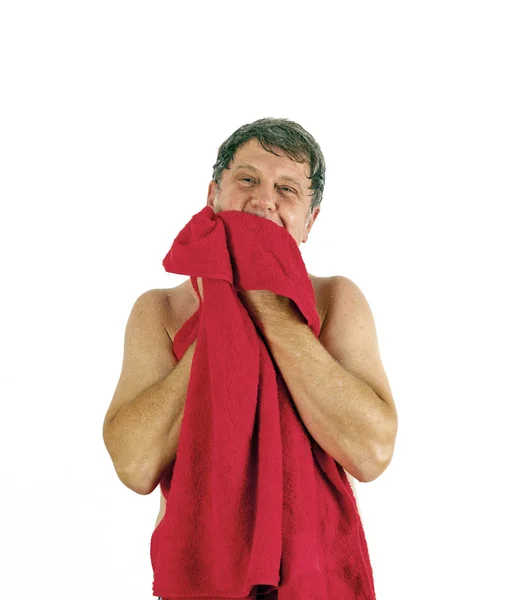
(283, 187)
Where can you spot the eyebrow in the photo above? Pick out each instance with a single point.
(252, 168)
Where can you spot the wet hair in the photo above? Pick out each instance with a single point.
(284, 134)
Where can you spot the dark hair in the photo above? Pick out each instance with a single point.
(285, 134)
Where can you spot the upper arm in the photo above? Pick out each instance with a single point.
(148, 350)
(349, 335)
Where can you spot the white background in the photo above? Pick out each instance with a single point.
(111, 117)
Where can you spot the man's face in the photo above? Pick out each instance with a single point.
(269, 186)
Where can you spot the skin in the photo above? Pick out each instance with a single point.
(266, 192)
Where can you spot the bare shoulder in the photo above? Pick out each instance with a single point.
(178, 303)
(156, 300)
(157, 297)
(345, 288)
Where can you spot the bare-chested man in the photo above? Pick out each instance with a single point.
(274, 169)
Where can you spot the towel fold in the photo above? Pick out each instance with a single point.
(254, 505)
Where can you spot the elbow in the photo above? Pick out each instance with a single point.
(382, 457)
(134, 483)
(133, 478)
(372, 472)
(369, 463)
(141, 479)
(382, 453)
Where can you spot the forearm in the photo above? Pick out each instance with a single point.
(342, 413)
(142, 439)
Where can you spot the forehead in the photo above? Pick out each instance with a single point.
(254, 154)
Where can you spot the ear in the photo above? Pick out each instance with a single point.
(212, 189)
(310, 222)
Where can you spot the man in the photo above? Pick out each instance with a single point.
(274, 169)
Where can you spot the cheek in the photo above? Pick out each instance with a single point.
(230, 202)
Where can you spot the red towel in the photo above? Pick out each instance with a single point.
(254, 504)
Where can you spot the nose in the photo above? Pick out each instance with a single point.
(263, 202)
